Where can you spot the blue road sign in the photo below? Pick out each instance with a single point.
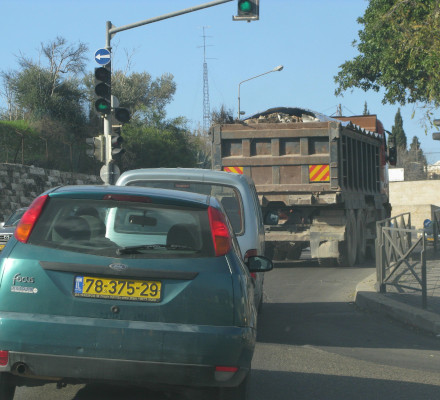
(102, 56)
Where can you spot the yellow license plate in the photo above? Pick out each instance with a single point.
(115, 288)
(1, 247)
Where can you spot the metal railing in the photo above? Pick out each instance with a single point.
(436, 227)
(401, 256)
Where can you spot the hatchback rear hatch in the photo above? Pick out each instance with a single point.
(119, 256)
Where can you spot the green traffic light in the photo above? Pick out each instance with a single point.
(103, 106)
(245, 6)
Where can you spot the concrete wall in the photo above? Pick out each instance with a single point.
(418, 197)
(20, 184)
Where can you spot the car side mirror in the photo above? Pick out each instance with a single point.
(259, 264)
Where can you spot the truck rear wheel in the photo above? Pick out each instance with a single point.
(294, 252)
(348, 248)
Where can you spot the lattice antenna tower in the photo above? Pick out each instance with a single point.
(206, 106)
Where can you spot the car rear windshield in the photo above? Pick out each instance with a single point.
(123, 229)
(228, 196)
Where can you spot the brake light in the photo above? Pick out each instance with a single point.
(127, 197)
(220, 232)
(29, 218)
(4, 357)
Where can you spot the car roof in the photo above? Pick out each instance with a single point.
(184, 174)
(173, 196)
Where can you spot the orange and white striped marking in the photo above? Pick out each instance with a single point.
(319, 173)
(235, 170)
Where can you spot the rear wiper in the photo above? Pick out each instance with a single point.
(134, 249)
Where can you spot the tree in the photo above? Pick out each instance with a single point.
(397, 131)
(222, 115)
(164, 145)
(399, 48)
(50, 89)
(416, 152)
(366, 110)
(145, 97)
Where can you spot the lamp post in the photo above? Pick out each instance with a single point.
(279, 68)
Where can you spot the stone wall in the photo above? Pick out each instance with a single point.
(20, 184)
(420, 198)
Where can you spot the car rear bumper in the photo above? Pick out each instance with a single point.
(70, 369)
(92, 349)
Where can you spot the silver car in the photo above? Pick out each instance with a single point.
(8, 227)
(236, 193)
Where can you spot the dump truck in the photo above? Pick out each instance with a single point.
(321, 181)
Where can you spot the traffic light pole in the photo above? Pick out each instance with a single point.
(108, 173)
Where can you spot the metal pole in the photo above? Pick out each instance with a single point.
(424, 279)
(108, 178)
(238, 117)
(279, 68)
(115, 30)
(110, 32)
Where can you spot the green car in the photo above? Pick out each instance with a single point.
(127, 285)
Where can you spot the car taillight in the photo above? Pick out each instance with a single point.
(220, 232)
(223, 373)
(29, 218)
(4, 357)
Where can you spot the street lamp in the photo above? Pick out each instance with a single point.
(279, 68)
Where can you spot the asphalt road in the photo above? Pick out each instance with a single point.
(313, 343)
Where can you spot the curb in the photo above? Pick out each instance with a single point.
(367, 298)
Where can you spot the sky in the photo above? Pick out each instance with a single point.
(309, 38)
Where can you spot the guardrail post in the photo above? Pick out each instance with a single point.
(424, 279)
(380, 273)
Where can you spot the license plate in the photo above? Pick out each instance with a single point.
(115, 288)
(1, 247)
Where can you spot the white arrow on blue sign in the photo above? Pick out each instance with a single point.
(102, 56)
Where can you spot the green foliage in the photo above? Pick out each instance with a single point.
(399, 48)
(57, 107)
(157, 146)
(34, 93)
(398, 132)
(144, 97)
(51, 89)
(366, 110)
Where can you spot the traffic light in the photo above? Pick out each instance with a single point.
(116, 142)
(97, 149)
(122, 115)
(247, 10)
(436, 135)
(103, 77)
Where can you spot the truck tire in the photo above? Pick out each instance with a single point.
(348, 248)
(269, 250)
(294, 252)
(327, 262)
(361, 228)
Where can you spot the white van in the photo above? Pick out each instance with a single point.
(236, 193)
